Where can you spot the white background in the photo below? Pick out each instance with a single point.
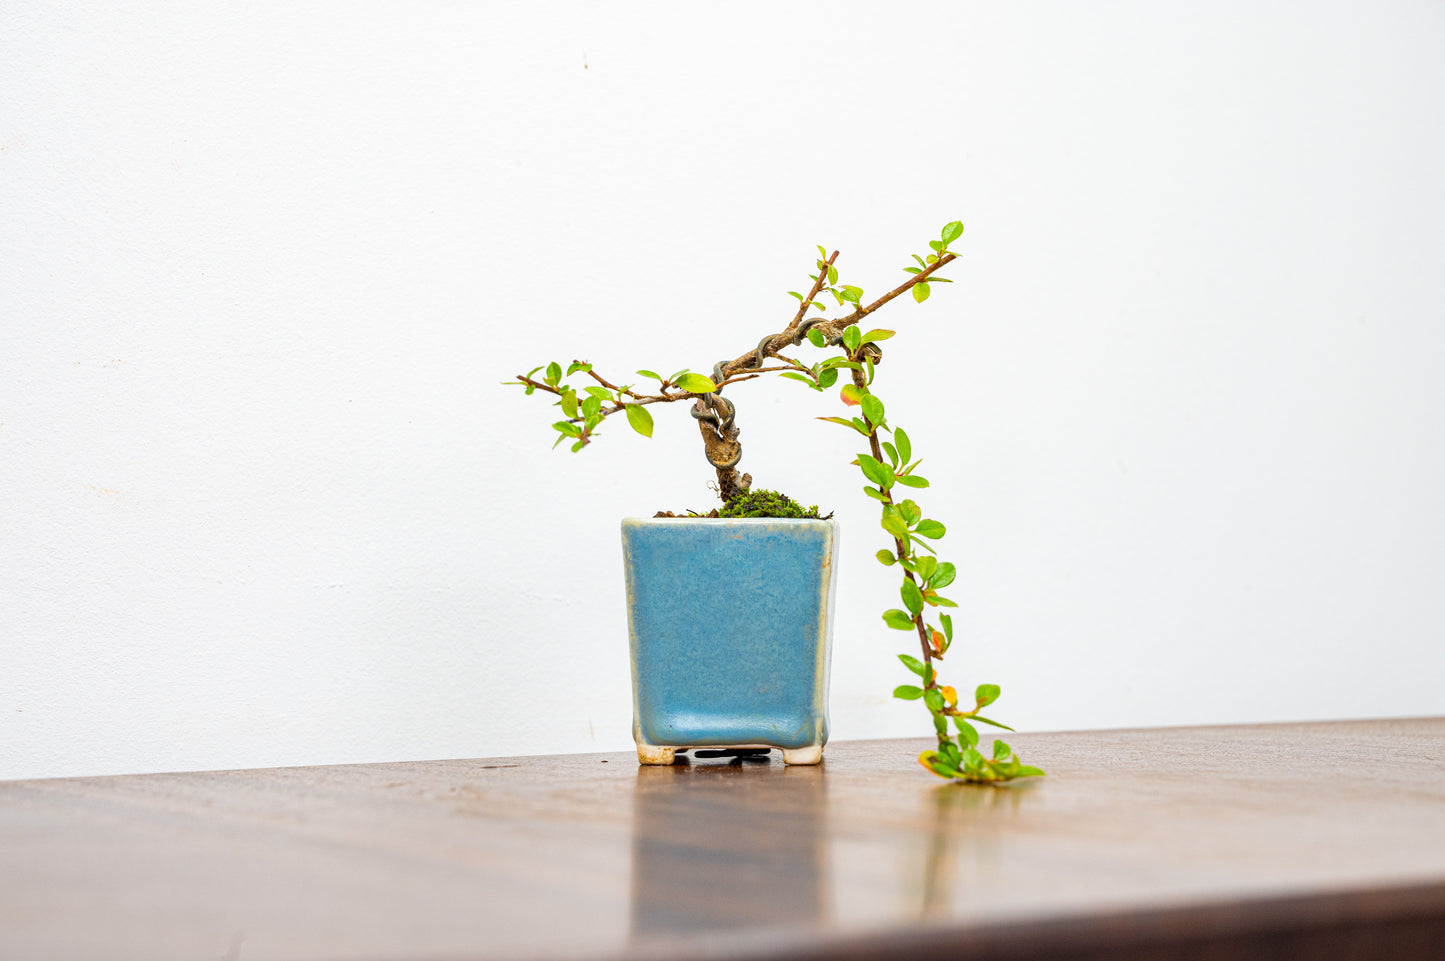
(262, 269)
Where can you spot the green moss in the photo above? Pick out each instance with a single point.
(763, 503)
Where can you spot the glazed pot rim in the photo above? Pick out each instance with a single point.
(832, 521)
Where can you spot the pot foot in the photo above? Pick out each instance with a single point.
(649, 754)
(803, 755)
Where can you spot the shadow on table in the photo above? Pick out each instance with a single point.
(724, 844)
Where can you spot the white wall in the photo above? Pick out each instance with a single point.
(263, 500)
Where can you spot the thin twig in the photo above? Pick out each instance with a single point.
(817, 288)
(842, 323)
(612, 387)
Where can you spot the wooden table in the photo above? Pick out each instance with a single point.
(1315, 841)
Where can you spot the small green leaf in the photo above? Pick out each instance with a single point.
(893, 524)
(577, 365)
(568, 430)
(828, 377)
(986, 694)
(875, 493)
(942, 768)
(945, 575)
(648, 373)
(912, 663)
(910, 512)
(816, 338)
(578, 446)
(873, 409)
(952, 231)
(938, 601)
(931, 529)
(822, 252)
(898, 620)
(600, 392)
(925, 567)
(967, 731)
(933, 699)
(591, 405)
(920, 292)
(696, 384)
(554, 374)
(872, 470)
(919, 259)
(947, 623)
(940, 724)
(912, 597)
(908, 480)
(1027, 771)
(794, 376)
(1006, 769)
(972, 760)
(907, 692)
(640, 419)
(852, 395)
(569, 403)
(845, 422)
(852, 337)
(852, 294)
(886, 558)
(905, 446)
(876, 334)
(892, 453)
(913, 270)
(937, 245)
(794, 293)
(832, 274)
(674, 377)
(1001, 751)
(978, 717)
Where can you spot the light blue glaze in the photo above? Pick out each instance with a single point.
(731, 624)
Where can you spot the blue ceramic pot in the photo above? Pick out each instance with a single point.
(731, 624)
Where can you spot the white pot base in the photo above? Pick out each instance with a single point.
(653, 754)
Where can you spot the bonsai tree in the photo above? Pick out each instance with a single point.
(888, 466)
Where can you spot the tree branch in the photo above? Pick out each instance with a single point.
(929, 681)
(842, 323)
(817, 288)
(744, 363)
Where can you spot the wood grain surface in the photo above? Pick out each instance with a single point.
(1323, 841)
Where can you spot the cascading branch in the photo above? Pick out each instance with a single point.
(888, 465)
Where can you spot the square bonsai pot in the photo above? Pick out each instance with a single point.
(731, 633)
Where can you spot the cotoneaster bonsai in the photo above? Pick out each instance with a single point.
(888, 465)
